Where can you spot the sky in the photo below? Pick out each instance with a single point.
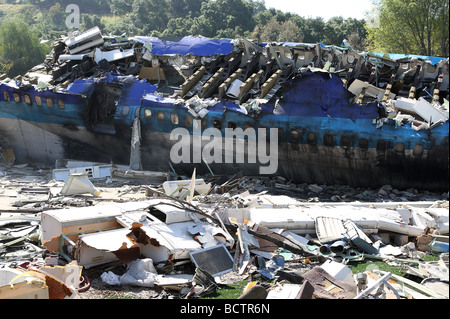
(323, 8)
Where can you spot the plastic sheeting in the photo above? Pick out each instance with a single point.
(398, 57)
(318, 94)
(187, 45)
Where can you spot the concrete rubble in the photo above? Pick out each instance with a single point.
(186, 237)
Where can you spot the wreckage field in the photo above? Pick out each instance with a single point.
(133, 200)
(96, 231)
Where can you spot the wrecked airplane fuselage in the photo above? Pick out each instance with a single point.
(340, 117)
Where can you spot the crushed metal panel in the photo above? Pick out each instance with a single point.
(181, 188)
(429, 112)
(370, 90)
(175, 238)
(105, 247)
(368, 219)
(113, 55)
(151, 247)
(286, 291)
(159, 241)
(214, 260)
(37, 284)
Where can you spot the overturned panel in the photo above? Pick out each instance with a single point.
(215, 260)
(85, 41)
(330, 229)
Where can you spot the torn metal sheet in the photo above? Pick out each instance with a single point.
(78, 184)
(112, 56)
(416, 290)
(120, 173)
(426, 110)
(29, 287)
(38, 284)
(181, 188)
(106, 247)
(32, 195)
(69, 274)
(372, 91)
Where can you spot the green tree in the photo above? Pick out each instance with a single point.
(57, 15)
(314, 30)
(337, 29)
(178, 27)
(120, 7)
(290, 32)
(20, 47)
(150, 15)
(119, 26)
(89, 21)
(411, 26)
(184, 8)
(228, 14)
(271, 31)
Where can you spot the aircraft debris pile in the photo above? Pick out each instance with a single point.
(190, 237)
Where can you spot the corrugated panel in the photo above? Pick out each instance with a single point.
(329, 229)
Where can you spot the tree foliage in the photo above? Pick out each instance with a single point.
(210, 18)
(20, 48)
(411, 26)
(401, 26)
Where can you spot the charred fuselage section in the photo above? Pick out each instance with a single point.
(340, 116)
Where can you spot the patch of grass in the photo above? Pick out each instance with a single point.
(360, 267)
(231, 291)
(429, 257)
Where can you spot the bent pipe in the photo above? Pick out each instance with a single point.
(339, 247)
(325, 249)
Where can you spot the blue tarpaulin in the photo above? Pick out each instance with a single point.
(187, 45)
(318, 95)
(396, 57)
